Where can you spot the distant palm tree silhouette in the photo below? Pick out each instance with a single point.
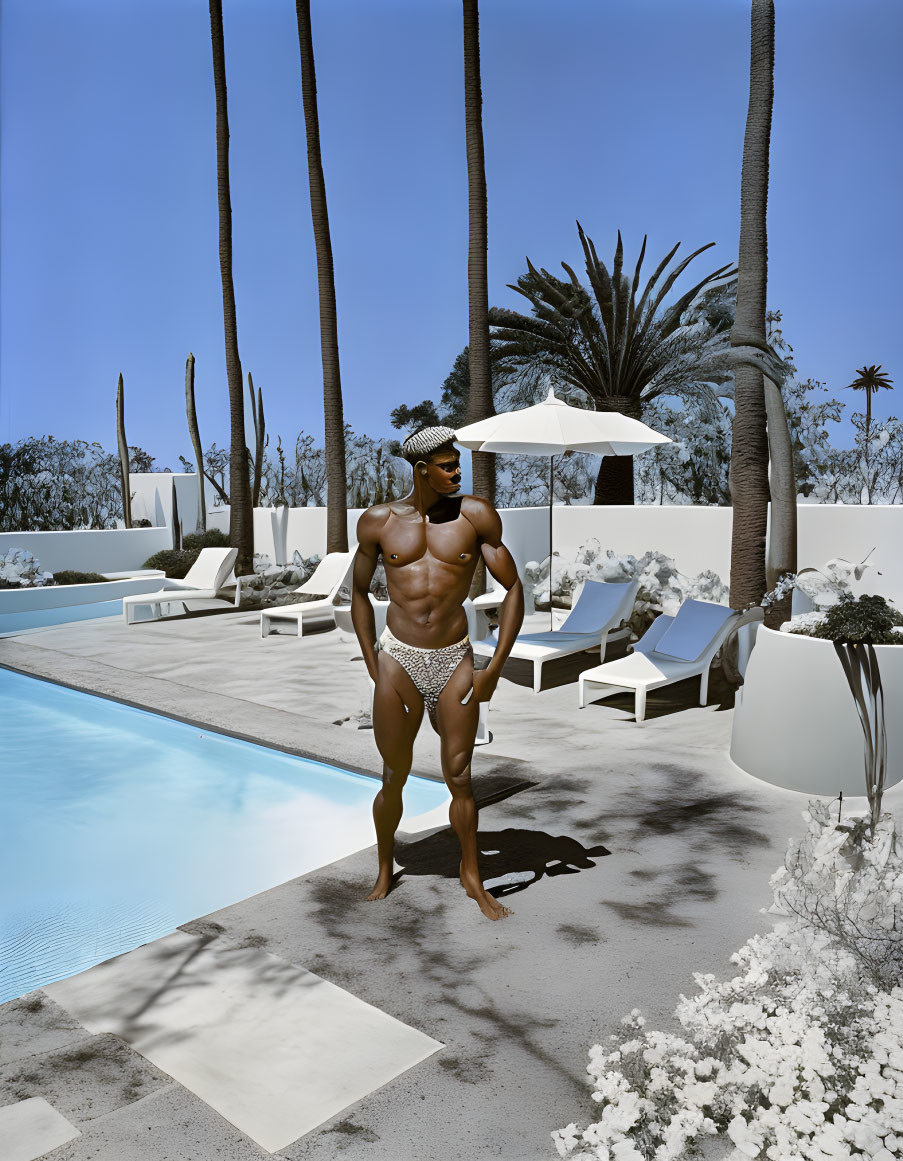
(870, 379)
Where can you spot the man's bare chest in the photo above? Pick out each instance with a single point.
(407, 540)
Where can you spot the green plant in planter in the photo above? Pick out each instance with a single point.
(856, 627)
(866, 621)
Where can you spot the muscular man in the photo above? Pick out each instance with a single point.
(430, 543)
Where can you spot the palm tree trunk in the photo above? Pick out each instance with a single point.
(194, 433)
(749, 449)
(782, 485)
(479, 401)
(241, 527)
(336, 487)
(614, 483)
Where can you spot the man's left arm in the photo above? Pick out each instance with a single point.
(502, 568)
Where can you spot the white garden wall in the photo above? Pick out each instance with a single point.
(152, 498)
(90, 550)
(696, 538)
(828, 530)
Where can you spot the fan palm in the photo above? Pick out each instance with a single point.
(620, 351)
(870, 379)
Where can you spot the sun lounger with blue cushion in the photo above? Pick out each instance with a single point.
(671, 649)
(596, 618)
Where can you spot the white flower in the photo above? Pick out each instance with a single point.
(746, 1136)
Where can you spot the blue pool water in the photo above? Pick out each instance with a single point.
(116, 825)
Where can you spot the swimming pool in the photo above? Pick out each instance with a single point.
(117, 825)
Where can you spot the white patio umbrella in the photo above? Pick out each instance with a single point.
(553, 427)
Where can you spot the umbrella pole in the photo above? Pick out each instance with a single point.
(551, 542)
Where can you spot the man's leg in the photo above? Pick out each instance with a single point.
(457, 725)
(397, 713)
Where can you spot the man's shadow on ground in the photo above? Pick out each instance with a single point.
(510, 860)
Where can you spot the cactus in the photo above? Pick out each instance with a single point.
(123, 453)
(195, 435)
(260, 441)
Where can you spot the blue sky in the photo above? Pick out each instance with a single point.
(624, 115)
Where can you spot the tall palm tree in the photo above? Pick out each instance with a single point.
(480, 396)
(870, 380)
(336, 500)
(749, 445)
(619, 351)
(241, 524)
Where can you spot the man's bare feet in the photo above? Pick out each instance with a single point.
(381, 887)
(490, 907)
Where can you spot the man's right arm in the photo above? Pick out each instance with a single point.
(365, 561)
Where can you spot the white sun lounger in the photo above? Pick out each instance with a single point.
(671, 649)
(325, 581)
(491, 599)
(596, 617)
(202, 582)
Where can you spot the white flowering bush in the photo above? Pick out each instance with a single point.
(846, 880)
(18, 568)
(663, 587)
(798, 1055)
(826, 586)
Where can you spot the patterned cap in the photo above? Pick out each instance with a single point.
(426, 441)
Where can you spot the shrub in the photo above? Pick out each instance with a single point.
(19, 568)
(212, 538)
(800, 1053)
(175, 562)
(866, 621)
(68, 576)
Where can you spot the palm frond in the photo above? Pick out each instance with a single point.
(600, 281)
(652, 281)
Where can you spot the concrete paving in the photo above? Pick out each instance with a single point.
(631, 858)
(272, 1047)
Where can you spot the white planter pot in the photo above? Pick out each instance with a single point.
(795, 721)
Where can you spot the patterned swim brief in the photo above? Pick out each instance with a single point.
(429, 669)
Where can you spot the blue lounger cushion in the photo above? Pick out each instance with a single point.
(696, 625)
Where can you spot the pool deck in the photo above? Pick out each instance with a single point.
(641, 855)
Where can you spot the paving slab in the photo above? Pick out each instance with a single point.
(171, 1124)
(273, 1048)
(33, 1025)
(84, 1081)
(31, 1128)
